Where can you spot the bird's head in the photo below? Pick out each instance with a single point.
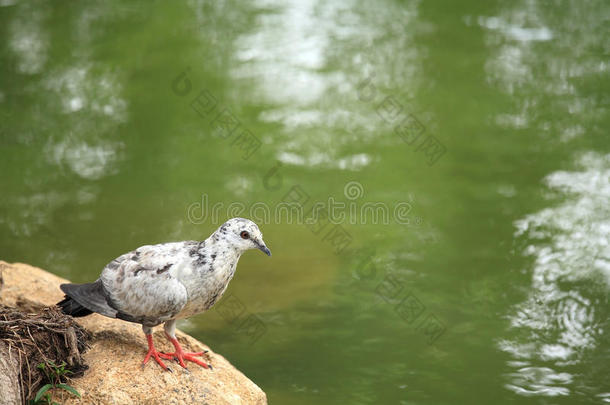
(243, 234)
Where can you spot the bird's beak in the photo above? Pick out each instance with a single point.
(264, 249)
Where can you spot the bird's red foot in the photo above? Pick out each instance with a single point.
(181, 355)
(152, 352)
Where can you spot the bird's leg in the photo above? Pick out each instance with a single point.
(179, 354)
(152, 352)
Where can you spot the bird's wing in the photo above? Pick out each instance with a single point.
(141, 287)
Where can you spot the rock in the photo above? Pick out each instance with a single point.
(9, 377)
(115, 375)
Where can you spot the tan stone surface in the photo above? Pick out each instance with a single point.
(115, 375)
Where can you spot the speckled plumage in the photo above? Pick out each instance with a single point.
(162, 283)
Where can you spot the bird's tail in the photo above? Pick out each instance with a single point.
(70, 307)
(84, 299)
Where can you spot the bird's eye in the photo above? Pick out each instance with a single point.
(244, 235)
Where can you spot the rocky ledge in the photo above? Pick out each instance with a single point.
(115, 375)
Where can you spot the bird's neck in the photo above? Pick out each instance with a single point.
(217, 246)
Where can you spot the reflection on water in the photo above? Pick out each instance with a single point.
(71, 121)
(286, 52)
(77, 136)
(516, 37)
(88, 147)
(561, 326)
(28, 40)
(295, 58)
(564, 318)
(353, 162)
(89, 159)
(515, 31)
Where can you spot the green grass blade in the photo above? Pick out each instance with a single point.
(69, 389)
(41, 392)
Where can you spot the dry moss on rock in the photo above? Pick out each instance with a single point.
(35, 334)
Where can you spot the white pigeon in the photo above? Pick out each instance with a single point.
(162, 283)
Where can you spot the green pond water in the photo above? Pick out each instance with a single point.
(456, 154)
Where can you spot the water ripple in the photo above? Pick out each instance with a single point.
(561, 323)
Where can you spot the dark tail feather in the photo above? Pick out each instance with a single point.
(83, 299)
(70, 307)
